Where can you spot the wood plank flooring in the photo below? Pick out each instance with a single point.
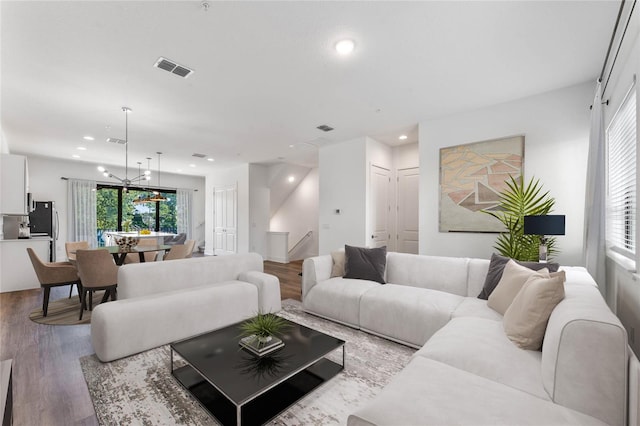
(48, 385)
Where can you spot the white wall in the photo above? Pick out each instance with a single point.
(299, 215)
(406, 156)
(342, 184)
(224, 178)
(45, 184)
(556, 129)
(259, 208)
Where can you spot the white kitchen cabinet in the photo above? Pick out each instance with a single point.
(16, 270)
(14, 184)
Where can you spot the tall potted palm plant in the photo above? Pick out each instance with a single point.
(516, 202)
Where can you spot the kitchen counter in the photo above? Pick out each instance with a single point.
(16, 270)
(21, 240)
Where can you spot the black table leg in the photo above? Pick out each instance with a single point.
(141, 254)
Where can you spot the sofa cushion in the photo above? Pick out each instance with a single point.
(128, 326)
(337, 268)
(496, 267)
(512, 280)
(428, 392)
(142, 279)
(338, 299)
(474, 307)
(364, 263)
(433, 272)
(526, 318)
(406, 314)
(480, 346)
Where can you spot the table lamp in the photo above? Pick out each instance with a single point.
(543, 226)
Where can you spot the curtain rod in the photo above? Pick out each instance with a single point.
(101, 182)
(624, 32)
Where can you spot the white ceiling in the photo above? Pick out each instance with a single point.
(266, 73)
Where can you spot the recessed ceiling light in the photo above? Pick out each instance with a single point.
(192, 165)
(88, 138)
(210, 159)
(178, 170)
(82, 148)
(101, 169)
(402, 137)
(75, 156)
(345, 47)
(291, 179)
(291, 146)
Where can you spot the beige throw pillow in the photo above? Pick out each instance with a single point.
(513, 278)
(337, 270)
(525, 322)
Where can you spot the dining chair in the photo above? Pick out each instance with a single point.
(180, 251)
(53, 274)
(149, 256)
(176, 239)
(97, 272)
(71, 248)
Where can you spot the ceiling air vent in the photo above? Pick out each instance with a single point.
(198, 155)
(116, 140)
(172, 67)
(325, 128)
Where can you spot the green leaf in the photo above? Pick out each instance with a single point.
(517, 201)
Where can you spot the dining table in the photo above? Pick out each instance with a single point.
(119, 253)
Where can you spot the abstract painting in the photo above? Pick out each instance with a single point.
(471, 179)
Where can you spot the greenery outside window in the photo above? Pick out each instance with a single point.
(116, 211)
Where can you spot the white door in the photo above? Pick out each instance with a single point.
(225, 212)
(379, 206)
(408, 185)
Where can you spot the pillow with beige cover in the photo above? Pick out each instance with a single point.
(513, 278)
(525, 321)
(338, 257)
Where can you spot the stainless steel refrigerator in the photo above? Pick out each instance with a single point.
(43, 221)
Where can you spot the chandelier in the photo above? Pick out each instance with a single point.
(155, 195)
(126, 182)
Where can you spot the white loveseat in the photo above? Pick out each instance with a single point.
(466, 370)
(160, 302)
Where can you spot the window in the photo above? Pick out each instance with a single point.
(621, 178)
(116, 211)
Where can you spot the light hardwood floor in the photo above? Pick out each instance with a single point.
(48, 385)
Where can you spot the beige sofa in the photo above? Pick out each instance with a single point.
(161, 302)
(466, 370)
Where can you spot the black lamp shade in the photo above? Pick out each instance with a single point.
(544, 225)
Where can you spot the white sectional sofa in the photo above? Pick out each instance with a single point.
(467, 371)
(160, 302)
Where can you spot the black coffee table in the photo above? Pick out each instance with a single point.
(237, 387)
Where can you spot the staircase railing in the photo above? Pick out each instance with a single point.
(302, 240)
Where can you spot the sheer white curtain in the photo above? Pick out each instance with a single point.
(81, 208)
(184, 200)
(594, 223)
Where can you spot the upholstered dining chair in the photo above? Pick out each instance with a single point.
(53, 274)
(73, 246)
(149, 256)
(97, 272)
(180, 251)
(175, 239)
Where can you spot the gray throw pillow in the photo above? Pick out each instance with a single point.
(365, 263)
(496, 267)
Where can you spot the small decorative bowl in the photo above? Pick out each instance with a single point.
(127, 243)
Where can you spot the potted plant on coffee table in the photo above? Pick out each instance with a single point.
(259, 333)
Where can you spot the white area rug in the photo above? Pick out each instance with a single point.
(140, 390)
